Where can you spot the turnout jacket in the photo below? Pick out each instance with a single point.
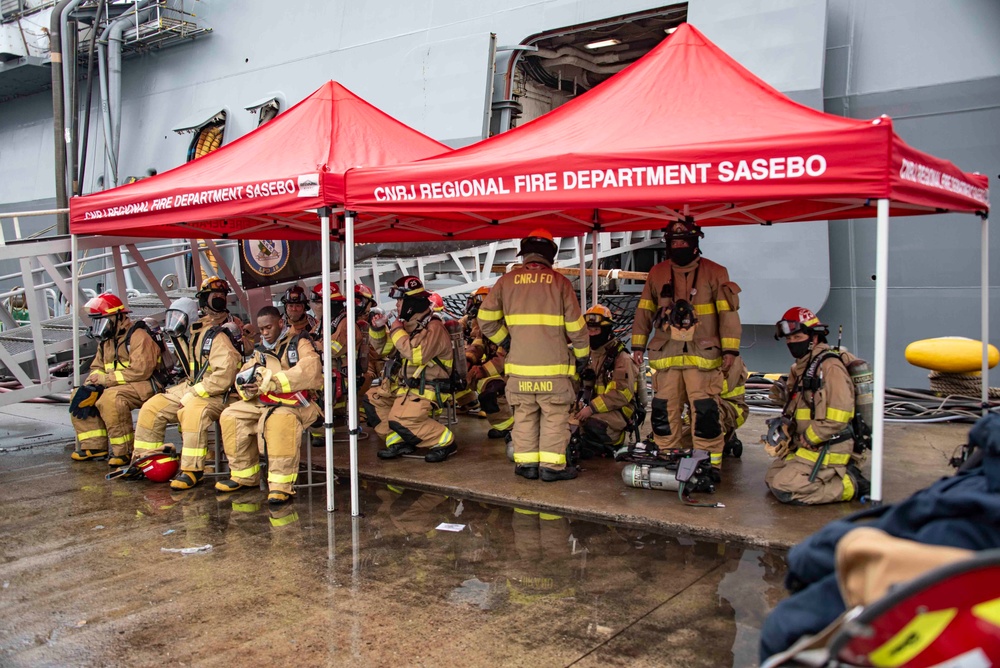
(424, 344)
(118, 364)
(819, 415)
(289, 375)
(707, 287)
(538, 309)
(338, 341)
(209, 373)
(734, 387)
(486, 359)
(614, 391)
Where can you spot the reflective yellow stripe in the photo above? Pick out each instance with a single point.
(812, 437)
(647, 305)
(418, 355)
(738, 392)
(446, 437)
(831, 459)
(393, 438)
(715, 458)
(523, 511)
(552, 457)
(282, 380)
(542, 370)
(627, 393)
(684, 360)
(282, 521)
(393, 488)
(730, 344)
(548, 516)
(377, 334)
(848, 488)
(273, 476)
(200, 390)
(120, 377)
(121, 440)
(723, 305)
(93, 433)
(487, 314)
(337, 347)
(599, 405)
(581, 352)
(838, 415)
(639, 340)
(546, 319)
(501, 334)
(246, 507)
(740, 417)
(148, 445)
(191, 452)
(576, 325)
(246, 473)
(803, 414)
(505, 425)
(704, 309)
(109, 366)
(525, 457)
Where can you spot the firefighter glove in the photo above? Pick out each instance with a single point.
(83, 404)
(582, 364)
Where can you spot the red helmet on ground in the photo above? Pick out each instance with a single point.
(161, 467)
(799, 319)
(335, 294)
(437, 302)
(105, 304)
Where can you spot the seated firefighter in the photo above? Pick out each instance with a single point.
(209, 349)
(606, 414)
(296, 305)
(427, 357)
(812, 439)
(276, 387)
(120, 380)
(377, 401)
(486, 370)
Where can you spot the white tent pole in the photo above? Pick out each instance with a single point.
(327, 362)
(984, 296)
(580, 240)
(881, 309)
(593, 269)
(352, 358)
(75, 307)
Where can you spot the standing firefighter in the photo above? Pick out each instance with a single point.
(120, 380)
(426, 360)
(689, 306)
(486, 370)
(276, 386)
(813, 440)
(536, 308)
(209, 350)
(606, 415)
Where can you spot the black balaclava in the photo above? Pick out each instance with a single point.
(413, 305)
(597, 342)
(800, 349)
(216, 303)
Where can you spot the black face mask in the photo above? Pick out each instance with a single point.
(799, 349)
(413, 306)
(217, 304)
(598, 341)
(683, 256)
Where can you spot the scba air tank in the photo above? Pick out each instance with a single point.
(650, 477)
(864, 396)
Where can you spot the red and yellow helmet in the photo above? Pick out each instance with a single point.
(407, 286)
(213, 284)
(437, 302)
(105, 304)
(335, 294)
(799, 319)
(161, 467)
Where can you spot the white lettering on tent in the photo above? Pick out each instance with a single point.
(928, 176)
(778, 167)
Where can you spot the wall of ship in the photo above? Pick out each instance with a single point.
(933, 66)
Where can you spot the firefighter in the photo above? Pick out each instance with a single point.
(296, 305)
(425, 349)
(120, 380)
(378, 401)
(364, 303)
(733, 409)
(276, 387)
(536, 308)
(812, 440)
(486, 370)
(604, 420)
(208, 346)
(338, 348)
(688, 322)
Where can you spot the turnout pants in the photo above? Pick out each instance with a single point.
(113, 424)
(494, 403)
(196, 418)
(541, 421)
(788, 478)
(411, 421)
(381, 399)
(154, 416)
(247, 426)
(699, 390)
(604, 430)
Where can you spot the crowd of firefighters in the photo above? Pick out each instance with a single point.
(554, 384)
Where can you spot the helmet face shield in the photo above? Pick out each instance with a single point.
(396, 292)
(102, 327)
(176, 323)
(784, 328)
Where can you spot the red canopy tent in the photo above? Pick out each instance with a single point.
(279, 181)
(685, 132)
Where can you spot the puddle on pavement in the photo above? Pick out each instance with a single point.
(420, 579)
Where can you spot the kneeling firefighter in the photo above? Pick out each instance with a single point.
(605, 416)
(817, 458)
(425, 348)
(277, 387)
(486, 370)
(121, 379)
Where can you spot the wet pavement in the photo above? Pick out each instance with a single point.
(86, 580)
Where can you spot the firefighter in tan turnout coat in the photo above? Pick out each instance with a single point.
(687, 322)
(536, 307)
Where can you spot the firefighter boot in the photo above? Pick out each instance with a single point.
(118, 460)
(231, 485)
(497, 433)
(186, 479)
(278, 498)
(440, 453)
(529, 471)
(551, 475)
(862, 486)
(87, 455)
